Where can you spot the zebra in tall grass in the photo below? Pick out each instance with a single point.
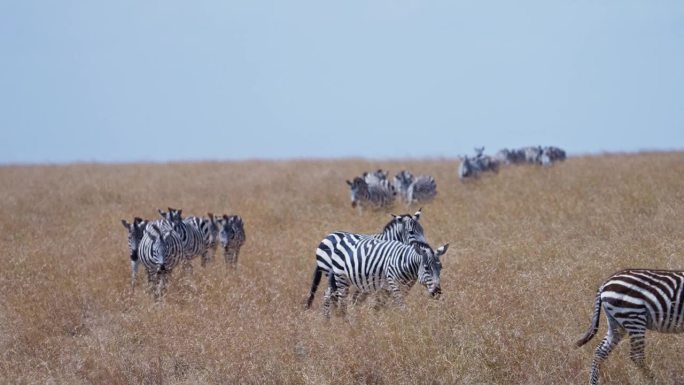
(634, 301)
(415, 189)
(404, 228)
(376, 195)
(135, 234)
(209, 229)
(373, 265)
(160, 250)
(375, 176)
(232, 235)
(193, 243)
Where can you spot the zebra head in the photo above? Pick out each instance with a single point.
(135, 234)
(402, 181)
(430, 267)
(231, 228)
(465, 169)
(408, 227)
(359, 189)
(213, 225)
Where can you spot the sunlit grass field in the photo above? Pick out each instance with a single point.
(529, 248)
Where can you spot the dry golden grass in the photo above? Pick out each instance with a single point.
(528, 249)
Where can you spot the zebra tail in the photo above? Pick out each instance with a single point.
(314, 286)
(593, 328)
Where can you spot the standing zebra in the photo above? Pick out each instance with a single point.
(135, 234)
(423, 189)
(636, 300)
(160, 250)
(232, 235)
(402, 181)
(377, 195)
(404, 228)
(193, 244)
(209, 229)
(371, 265)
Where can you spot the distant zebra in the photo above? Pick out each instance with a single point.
(533, 154)
(423, 189)
(371, 265)
(232, 235)
(135, 234)
(375, 176)
(209, 229)
(404, 228)
(373, 195)
(511, 156)
(193, 243)
(636, 300)
(160, 250)
(551, 154)
(402, 181)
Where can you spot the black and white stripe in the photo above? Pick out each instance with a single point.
(404, 228)
(135, 234)
(371, 265)
(209, 231)
(193, 244)
(634, 301)
(232, 236)
(160, 250)
(374, 195)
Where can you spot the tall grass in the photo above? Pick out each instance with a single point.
(529, 247)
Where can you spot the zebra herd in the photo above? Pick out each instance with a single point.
(472, 166)
(389, 263)
(374, 190)
(160, 245)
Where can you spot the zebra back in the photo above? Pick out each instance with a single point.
(423, 189)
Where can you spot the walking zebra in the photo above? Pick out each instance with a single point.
(209, 230)
(160, 250)
(376, 195)
(636, 300)
(232, 235)
(135, 234)
(371, 265)
(404, 228)
(193, 244)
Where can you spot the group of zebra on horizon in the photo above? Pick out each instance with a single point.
(160, 245)
(388, 263)
(373, 189)
(473, 166)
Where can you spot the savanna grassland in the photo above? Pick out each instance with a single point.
(529, 248)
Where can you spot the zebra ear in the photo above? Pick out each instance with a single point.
(348, 182)
(163, 214)
(211, 216)
(126, 224)
(443, 249)
(416, 216)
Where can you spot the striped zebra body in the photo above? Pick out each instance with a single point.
(160, 250)
(232, 236)
(193, 244)
(371, 265)
(402, 181)
(374, 195)
(209, 230)
(404, 228)
(423, 189)
(634, 301)
(135, 234)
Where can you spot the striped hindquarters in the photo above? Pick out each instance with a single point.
(652, 298)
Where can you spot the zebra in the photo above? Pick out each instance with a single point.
(209, 229)
(375, 176)
(160, 250)
(376, 195)
(423, 189)
(533, 154)
(232, 236)
(404, 228)
(402, 181)
(551, 154)
(636, 300)
(371, 265)
(511, 156)
(135, 234)
(193, 244)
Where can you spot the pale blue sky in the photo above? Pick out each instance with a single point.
(169, 80)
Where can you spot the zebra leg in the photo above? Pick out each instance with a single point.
(134, 273)
(396, 293)
(204, 259)
(327, 302)
(615, 334)
(359, 297)
(636, 353)
(342, 292)
(380, 299)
